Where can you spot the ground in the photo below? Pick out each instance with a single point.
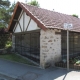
(4, 77)
(21, 71)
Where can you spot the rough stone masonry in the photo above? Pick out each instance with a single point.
(50, 47)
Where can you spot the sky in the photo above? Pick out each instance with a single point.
(63, 6)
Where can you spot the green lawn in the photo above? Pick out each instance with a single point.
(16, 58)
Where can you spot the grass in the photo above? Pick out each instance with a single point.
(16, 58)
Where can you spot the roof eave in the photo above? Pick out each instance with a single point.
(13, 16)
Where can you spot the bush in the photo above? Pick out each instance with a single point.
(8, 44)
(78, 62)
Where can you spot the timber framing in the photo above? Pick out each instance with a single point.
(17, 21)
(23, 20)
(28, 24)
(20, 26)
(18, 8)
(16, 25)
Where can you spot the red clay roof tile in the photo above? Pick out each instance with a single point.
(51, 19)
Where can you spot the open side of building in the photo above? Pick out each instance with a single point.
(38, 34)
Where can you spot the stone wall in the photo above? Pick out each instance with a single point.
(50, 47)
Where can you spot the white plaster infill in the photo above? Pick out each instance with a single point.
(33, 15)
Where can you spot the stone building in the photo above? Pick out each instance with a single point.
(39, 34)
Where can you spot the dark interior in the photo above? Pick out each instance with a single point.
(28, 45)
(74, 44)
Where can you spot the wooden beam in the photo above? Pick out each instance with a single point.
(28, 24)
(15, 26)
(18, 20)
(57, 32)
(23, 20)
(15, 20)
(20, 15)
(20, 26)
(17, 23)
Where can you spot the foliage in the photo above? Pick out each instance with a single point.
(78, 62)
(5, 40)
(75, 60)
(34, 2)
(75, 15)
(6, 10)
(8, 44)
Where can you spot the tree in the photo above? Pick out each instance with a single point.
(4, 3)
(5, 12)
(10, 11)
(75, 15)
(3, 6)
(34, 2)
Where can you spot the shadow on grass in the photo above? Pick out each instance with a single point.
(16, 58)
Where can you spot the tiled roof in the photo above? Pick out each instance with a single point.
(52, 19)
